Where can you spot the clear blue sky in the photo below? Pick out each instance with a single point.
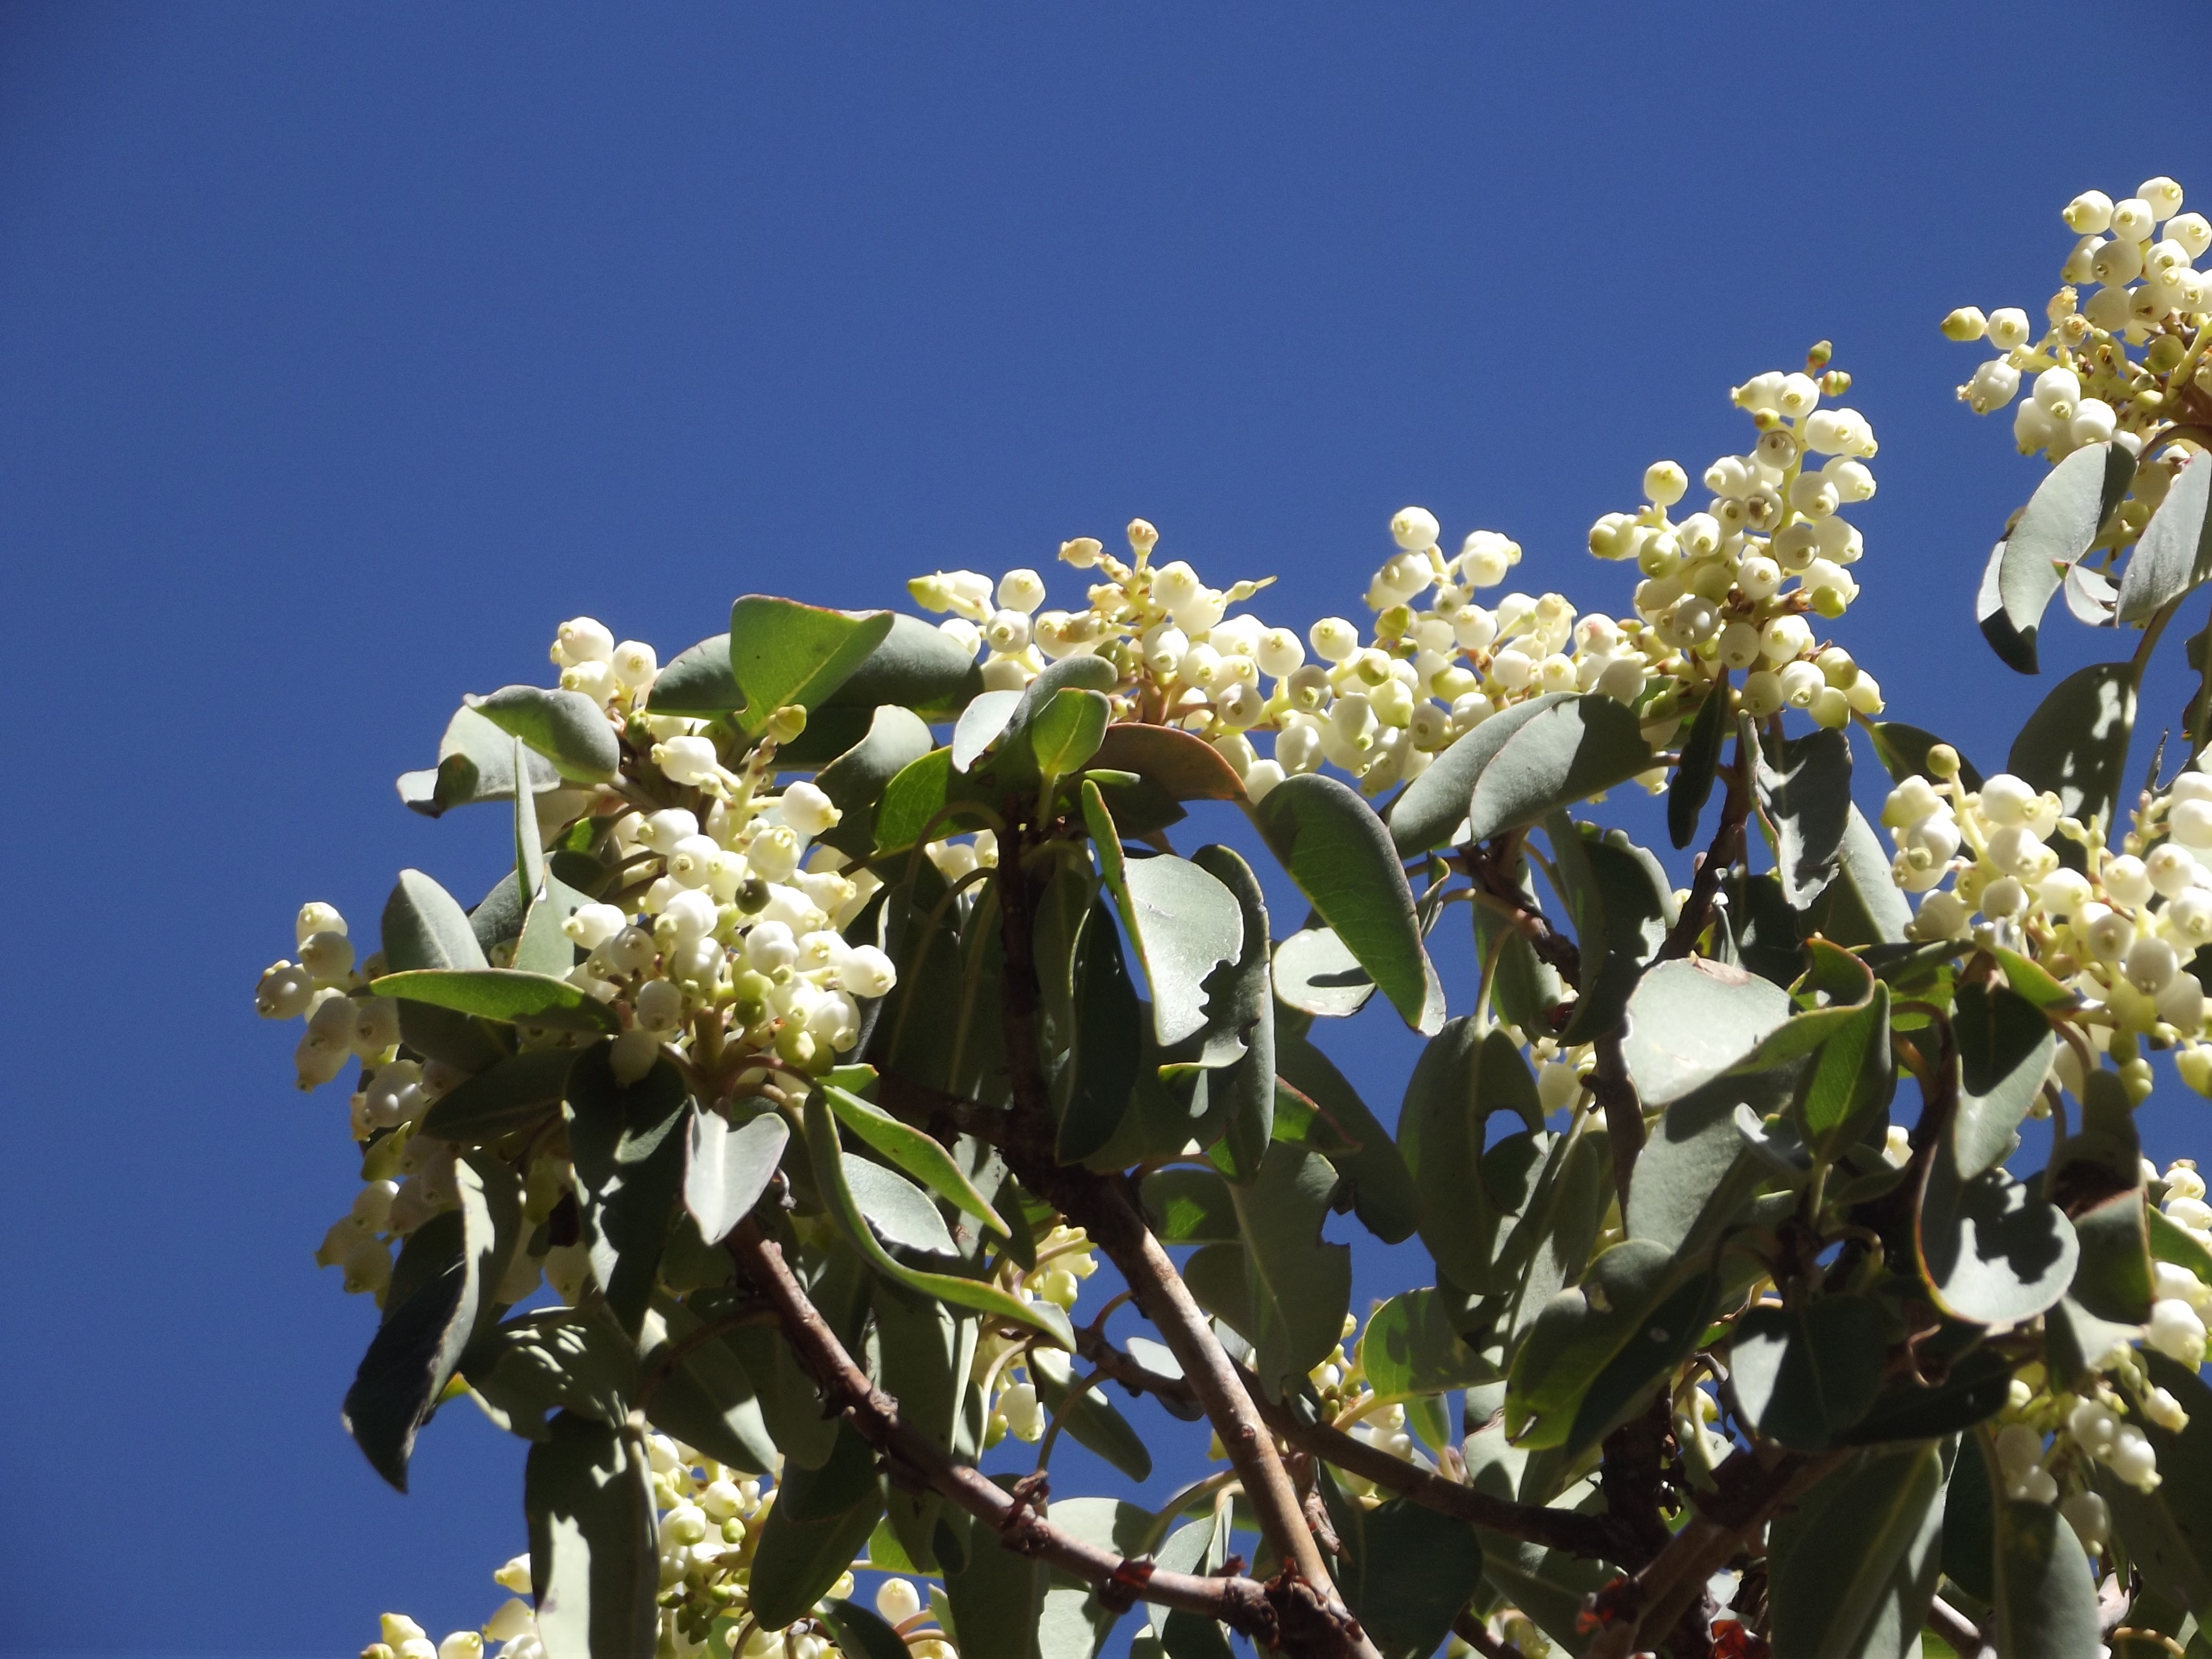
(345, 349)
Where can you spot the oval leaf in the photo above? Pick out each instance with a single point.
(594, 1548)
(1183, 764)
(1804, 1375)
(516, 1092)
(728, 1166)
(1701, 757)
(1994, 1252)
(1343, 859)
(566, 727)
(1067, 732)
(1690, 1021)
(2055, 529)
(921, 1156)
(1316, 974)
(2076, 741)
(1564, 753)
(508, 994)
(782, 652)
(697, 684)
(2175, 553)
(981, 725)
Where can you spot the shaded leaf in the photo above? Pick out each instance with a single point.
(1993, 1251)
(1566, 752)
(697, 683)
(728, 1166)
(594, 1551)
(627, 1143)
(1342, 858)
(782, 652)
(1692, 782)
(856, 780)
(476, 762)
(2076, 741)
(1855, 1564)
(1240, 1015)
(706, 1398)
(1410, 1348)
(1903, 751)
(516, 1092)
(2047, 1597)
(566, 727)
(418, 1346)
(2055, 529)
(1620, 918)
(1106, 1058)
(2005, 1049)
(916, 666)
(921, 1154)
(1462, 1076)
(1299, 1287)
(1689, 1021)
(2175, 553)
(2169, 1530)
(1809, 802)
(1190, 1206)
(1975, 1391)
(1316, 974)
(830, 1172)
(1406, 1571)
(1090, 1419)
(425, 927)
(1381, 1187)
(1862, 904)
(1181, 763)
(821, 1518)
(1693, 1176)
(507, 994)
(1803, 1376)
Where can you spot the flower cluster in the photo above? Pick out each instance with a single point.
(709, 1520)
(2119, 931)
(1725, 588)
(1004, 1365)
(2083, 383)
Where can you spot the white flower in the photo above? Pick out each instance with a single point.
(898, 1599)
(515, 1617)
(328, 956)
(2176, 1331)
(691, 915)
(690, 761)
(2008, 328)
(1485, 558)
(867, 972)
(2089, 1516)
(1665, 484)
(2088, 213)
(1414, 529)
(285, 990)
(592, 925)
(582, 639)
(461, 1644)
(316, 917)
(636, 664)
(807, 810)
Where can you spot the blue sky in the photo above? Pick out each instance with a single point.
(345, 349)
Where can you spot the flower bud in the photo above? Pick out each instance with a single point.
(1414, 529)
(2008, 328)
(1965, 325)
(1665, 483)
(690, 761)
(285, 990)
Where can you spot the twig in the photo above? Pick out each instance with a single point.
(1240, 1603)
(1725, 851)
(1312, 1616)
(1614, 1090)
(1476, 1634)
(1964, 1636)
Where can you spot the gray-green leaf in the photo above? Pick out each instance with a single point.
(2059, 522)
(566, 727)
(594, 1557)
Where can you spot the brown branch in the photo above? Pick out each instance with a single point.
(1489, 866)
(1240, 1603)
(1611, 1086)
(1476, 1634)
(1964, 1636)
(1632, 1476)
(1657, 1597)
(1725, 851)
(1312, 1615)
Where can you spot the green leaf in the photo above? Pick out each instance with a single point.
(2171, 1241)
(860, 1633)
(1903, 751)
(1862, 905)
(914, 802)
(476, 762)
(2113, 1280)
(515, 1093)
(1809, 803)
(900, 1213)
(2169, 1530)
(2031, 981)
(1406, 1572)
(1190, 1206)
(1316, 974)
(594, 1555)
(697, 684)
(558, 1358)
(566, 727)
(425, 927)
(981, 724)
(627, 1144)
(2175, 553)
(1567, 752)
(1410, 1348)
(1183, 922)
(857, 779)
(1436, 803)
(1692, 782)
(728, 1166)
(1067, 732)
(1342, 858)
(1693, 1176)
(1689, 1021)
(819, 1521)
(1974, 1390)
(916, 666)
(782, 652)
(1803, 1376)
(1621, 917)
(921, 1156)
(529, 854)
(1183, 764)
(2005, 1049)
(418, 1346)
(1851, 1075)
(1550, 1244)
(1594, 1354)
(707, 1398)
(2076, 741)
(831, 1178)
(1239, 1019)
(1106, 1057)
(1855, 1563)
(1380, 1185)
(1299, 1287)
(507, 994)
(2055, 528)
(2046, 1597)
(545, 947)
(1462, 1076)
(1091, 1420)
(1993, 1251)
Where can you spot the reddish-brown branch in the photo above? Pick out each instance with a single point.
(1240, 1603)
